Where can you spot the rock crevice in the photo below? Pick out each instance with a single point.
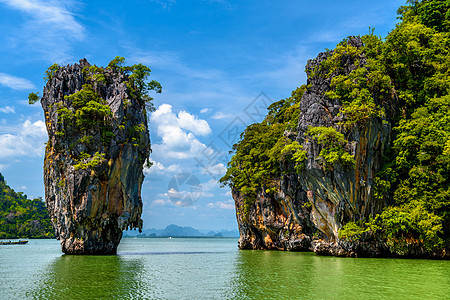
(98, 143)
(313, 205)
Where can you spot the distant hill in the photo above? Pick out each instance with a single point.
(21, 217)
(228, 233)
(174, 230)
(180, 231)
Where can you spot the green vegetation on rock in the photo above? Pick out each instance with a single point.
(22, 217)
(363, 91)
(416, 56)
(50, 72)
(263, 146)
(86, 115)
(86, 161)
(407, 75)
(333, 146)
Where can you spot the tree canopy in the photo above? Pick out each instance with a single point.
(22, 217)
(411, 66)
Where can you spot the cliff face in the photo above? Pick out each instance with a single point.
(98, 143)
(316, 202)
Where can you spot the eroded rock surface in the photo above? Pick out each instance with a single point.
(310, 207)
(94, 158)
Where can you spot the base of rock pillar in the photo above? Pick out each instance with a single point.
(102, 241)
(79, 246)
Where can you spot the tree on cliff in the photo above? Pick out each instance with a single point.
(97, 123)
(413, 65)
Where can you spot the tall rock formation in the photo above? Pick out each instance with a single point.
(98, 143)
(311, 206)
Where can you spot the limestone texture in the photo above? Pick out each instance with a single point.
(93, 173)
(311, 206)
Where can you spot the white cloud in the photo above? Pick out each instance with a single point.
(50, 13)
(220, 115)
(191, 123)
(209, 185)
(178, 132)
(228, 193)
(7, 110)
(27, 141)
(159, 169)
(180, 198)
(215, 170)
(15, 83)
(205, 110)
(159, 202)
(211, 189)
(49, 27)
(229, 204)
(164, 116)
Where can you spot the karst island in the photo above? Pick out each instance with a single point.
(96, 119)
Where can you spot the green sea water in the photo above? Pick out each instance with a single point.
(206, 268)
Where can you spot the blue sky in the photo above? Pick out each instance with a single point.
(218, 61)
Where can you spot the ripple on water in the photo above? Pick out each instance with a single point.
(211, 269)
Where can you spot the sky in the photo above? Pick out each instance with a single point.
(220, 63)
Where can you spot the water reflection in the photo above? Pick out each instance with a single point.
(272, 274)
(98, 277)
(215, 269)
(284, 275)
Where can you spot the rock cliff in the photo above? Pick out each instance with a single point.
(310, 206)
(98, 144)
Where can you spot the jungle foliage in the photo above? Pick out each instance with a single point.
(256, 162)
(85, 113)
(409, 72)
(22, 217)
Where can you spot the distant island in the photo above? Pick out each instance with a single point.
(28, 218)
(180, 231)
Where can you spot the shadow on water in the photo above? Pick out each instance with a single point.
(284, 275)
(94, 277)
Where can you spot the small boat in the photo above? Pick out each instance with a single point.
(20, 242)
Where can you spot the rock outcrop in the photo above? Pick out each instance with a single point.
(98, 144)
(311, 206)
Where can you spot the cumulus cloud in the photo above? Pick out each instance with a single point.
(159, 169)
(205, 110)
(178, 132)
(215, 170)
(7, 110)
(180, 198)
(15, 83)
(28, 141)
(166, 117)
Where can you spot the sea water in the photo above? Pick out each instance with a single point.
(211, 268)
